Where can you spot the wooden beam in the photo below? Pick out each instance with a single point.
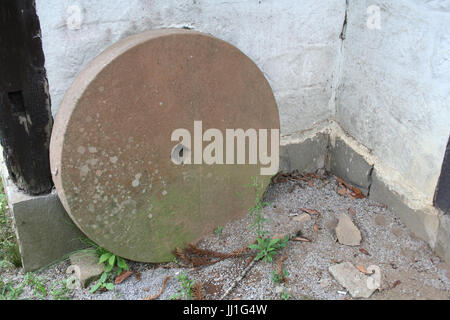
(442, 195)
(25, 113)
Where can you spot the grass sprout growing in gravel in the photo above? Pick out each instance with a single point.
(266, 247)
(256, 212)
(277, 278)
(9, 249)
(285, 295)
(60, 291)
(113, 264)
(9, 291)
(39, 289)
(218, 231)
(185, 291)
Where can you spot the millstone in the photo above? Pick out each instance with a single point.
(111, 143)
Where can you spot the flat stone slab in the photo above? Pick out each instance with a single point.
(111, 143)
(346, 231)
(351, 279)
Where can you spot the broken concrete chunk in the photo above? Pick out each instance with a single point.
(352, 279)
(346, 231)
(85, 266)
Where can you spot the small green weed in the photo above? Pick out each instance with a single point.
(103, 283)
(185, 292)
(60, 291)
(277, 278)
(256, 211)
(112, 261)
(9, 250)
(113, 264)
(10, 292)
(39, 289)
(218, 231)
(285, 295)
(267, 247)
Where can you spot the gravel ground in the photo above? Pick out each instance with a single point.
(409, 268)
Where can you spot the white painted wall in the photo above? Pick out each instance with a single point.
(295, 43)
(394, 90)
(394, 82)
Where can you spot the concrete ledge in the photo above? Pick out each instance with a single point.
(443, 238)
(422, 223)
(346, 163)
(44, 231)
(306, 156)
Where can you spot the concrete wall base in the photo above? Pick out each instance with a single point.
(306, 156)
(344, 162)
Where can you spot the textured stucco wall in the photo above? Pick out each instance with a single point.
(393, 94)
(394, 90)
(295, 43)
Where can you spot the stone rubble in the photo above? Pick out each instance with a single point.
(351, 279)
(85, 267)
(346, 231)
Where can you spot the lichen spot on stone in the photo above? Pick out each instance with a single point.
(113, 159)
(135, 182)
(84, 170)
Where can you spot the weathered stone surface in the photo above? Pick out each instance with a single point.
(85, 266)
(45, 232)
(423, 224)
(443, 239)
(346, 231)
(351, 279)
(306, 156)
(349, 165)
(111, 144)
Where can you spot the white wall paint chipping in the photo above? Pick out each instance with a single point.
(394, 92)
(295, 43)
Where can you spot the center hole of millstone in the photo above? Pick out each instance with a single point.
(179, 152)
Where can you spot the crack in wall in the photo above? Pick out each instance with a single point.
(370, 180)
(339, 63)
(344, 24)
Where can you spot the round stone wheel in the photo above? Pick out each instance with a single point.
(111, 143)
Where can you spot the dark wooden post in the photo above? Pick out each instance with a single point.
(442, 195)
(25, 113)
